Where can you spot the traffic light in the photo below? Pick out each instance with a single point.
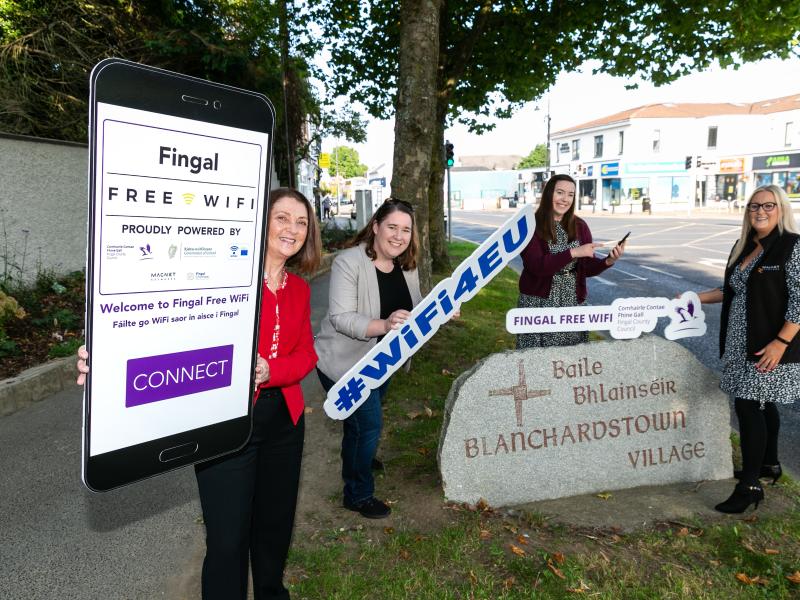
(688, 162)
(449, 158)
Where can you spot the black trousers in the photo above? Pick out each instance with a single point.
(249, 501)
(758, 432)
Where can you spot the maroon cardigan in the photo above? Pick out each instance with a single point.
(539, 265)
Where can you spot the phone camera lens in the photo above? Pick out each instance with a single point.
(217, 104)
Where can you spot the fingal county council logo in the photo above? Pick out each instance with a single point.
(173, 250)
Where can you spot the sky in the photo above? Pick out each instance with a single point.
(580, 96)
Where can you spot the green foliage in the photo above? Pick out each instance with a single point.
(345, 162)
(335, 238)
(65, 348)
(537, 158)
(48, 48)
(496, 56)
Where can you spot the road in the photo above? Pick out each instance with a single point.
(664, 256)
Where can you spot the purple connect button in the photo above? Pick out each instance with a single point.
(155, 378)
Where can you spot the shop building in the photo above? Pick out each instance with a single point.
(678, 156)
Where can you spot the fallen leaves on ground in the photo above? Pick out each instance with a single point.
(559, 557)
(473, 578)
(794, 577)
(446, 373)
(517, 550)
(604, 495)
(581, 589)
(413, 414)
(556, 571)
(388, 530)
(522, 539)
(485, 534)
(772, 551)
(308, 410)
(757, 580)
(683, 532)
(405, 554)
(509, 583)
(428, 412)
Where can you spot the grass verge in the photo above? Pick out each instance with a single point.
(479, 553)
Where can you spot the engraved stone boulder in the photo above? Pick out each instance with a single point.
(547, 423)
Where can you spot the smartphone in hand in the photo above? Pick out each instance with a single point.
(622, 241)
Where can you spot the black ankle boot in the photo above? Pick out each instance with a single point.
(743, 496)
(773, 472)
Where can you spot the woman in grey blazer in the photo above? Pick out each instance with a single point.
(374, 284)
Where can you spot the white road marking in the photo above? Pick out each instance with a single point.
(723, 252)
(662, 272)
(708, 237)
(717, 263)
(633, 275)
(604, 281)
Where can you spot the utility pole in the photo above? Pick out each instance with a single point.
(547, 166)
(449, 161)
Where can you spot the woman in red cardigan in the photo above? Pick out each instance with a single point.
(249, 497)
(558, 260)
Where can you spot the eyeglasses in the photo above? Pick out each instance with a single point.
(403, 203)
(767, 206)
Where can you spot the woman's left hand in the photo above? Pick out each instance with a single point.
(262, 371)
(770, 356)
(615, 254)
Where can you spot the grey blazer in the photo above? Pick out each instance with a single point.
(354, 300)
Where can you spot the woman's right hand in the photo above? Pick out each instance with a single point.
(585, 251)
(83, 368)
(396, 320)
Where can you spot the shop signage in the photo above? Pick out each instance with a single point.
(731, 165)
(609, 169)
(655, 167)
(589, 170)
(776, 161)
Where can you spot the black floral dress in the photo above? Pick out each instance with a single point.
(562, 293)
(740, 378)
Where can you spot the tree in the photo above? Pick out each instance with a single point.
(495, 56)
(48, 48)
(345, 162)
(537, 158)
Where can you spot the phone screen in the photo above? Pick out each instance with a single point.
(177, 231)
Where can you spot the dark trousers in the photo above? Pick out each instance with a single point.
(758, 432)
(249, 501)
(361, 432)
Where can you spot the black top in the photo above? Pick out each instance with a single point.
(393, 290)
(767, 296)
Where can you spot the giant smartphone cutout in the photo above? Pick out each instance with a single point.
(178, 180)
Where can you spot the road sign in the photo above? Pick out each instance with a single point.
(324, 160)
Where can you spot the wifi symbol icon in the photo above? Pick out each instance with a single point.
(188, 197)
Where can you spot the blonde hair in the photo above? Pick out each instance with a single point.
(786, 220)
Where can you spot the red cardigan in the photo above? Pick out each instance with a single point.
(296, 356)
(539, 265)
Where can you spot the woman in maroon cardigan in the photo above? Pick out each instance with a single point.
(558, 260)
(249, 497)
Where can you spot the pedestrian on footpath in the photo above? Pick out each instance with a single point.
(374, 284)
(326, 207)
(249, 497)
(557, 261)
(758, 340)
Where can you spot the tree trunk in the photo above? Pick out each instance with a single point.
(415, 116)
(437, 197)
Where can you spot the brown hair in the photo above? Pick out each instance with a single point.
(545, 224)
(306, 260)
(408, 259)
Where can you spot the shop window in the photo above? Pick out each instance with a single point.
(787, 135)
(621, 142)
(656, 140)
(598, 146)
(576, 150)
(712, 137)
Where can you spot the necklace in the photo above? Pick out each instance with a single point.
(280, 281)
